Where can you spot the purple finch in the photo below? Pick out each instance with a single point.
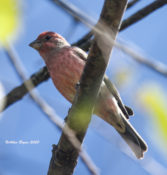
(65, 65)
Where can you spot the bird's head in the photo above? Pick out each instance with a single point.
(48, 41)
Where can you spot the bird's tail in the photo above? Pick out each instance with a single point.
(133, 139)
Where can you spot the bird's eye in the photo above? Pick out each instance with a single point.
(47, 37)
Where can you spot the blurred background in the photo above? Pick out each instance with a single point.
(26, 135)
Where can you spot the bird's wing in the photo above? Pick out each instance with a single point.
(126, 110)
(79, 52)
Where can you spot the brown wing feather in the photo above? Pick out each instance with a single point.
(126, 110)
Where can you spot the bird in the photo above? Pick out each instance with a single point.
(65, 64)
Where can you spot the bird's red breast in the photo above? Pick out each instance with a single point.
(66, 69)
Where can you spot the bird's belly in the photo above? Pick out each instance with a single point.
(66, 74)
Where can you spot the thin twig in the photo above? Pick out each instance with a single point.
(132, 3)
(75, 12)
(143, 13)
(71, 29)
(83, 40)
(48, 110)
(156, 66)
(20, 91)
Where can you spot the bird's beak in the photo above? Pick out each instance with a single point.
(36, 44)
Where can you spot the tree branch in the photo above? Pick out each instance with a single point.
(20, 91)
(132, 3)
(143, 13)
(64, 158)
(156, 66)
(75, 12)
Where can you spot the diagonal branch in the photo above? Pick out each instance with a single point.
(20, 91)
(75, 12)
(65, 156)
(132, 3)
(143, 13)
(156, 66)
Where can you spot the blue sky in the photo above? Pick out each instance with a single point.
(24, 121)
